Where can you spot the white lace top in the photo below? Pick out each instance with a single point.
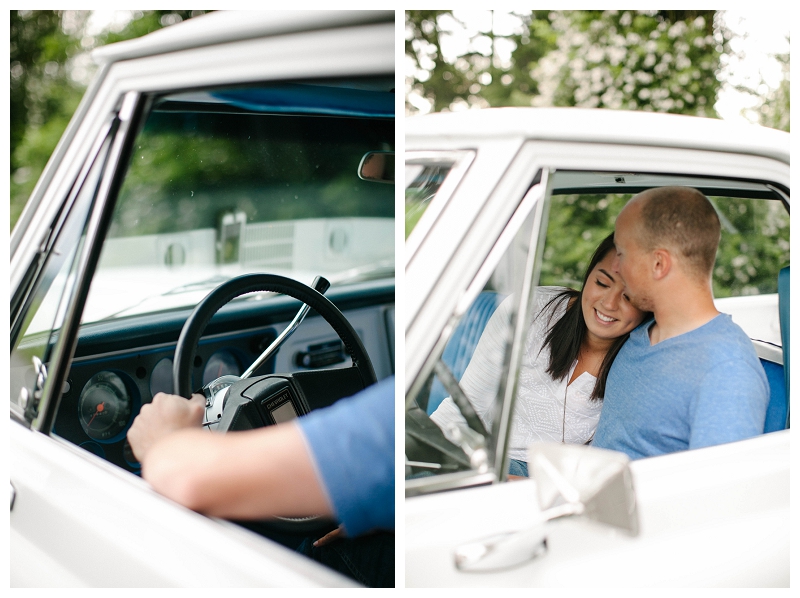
(539, 413)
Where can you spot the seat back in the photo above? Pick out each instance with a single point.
(775, 362)
(778, 407)
(783, 307)
(462, 344)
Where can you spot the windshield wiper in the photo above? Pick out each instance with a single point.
(208, 283)
(372, 271)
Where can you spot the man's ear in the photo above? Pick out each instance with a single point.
(662, 263)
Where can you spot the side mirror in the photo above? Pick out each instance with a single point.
(377, 167)
(571, 481)
(597, 479)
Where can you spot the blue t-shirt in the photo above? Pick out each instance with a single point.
(701, 388)
(352, 444)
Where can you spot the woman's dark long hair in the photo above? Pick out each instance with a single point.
(566, 336)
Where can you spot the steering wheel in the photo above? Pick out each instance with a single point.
(196, 323)
(247, 404)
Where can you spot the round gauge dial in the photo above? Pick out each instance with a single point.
(161, 377)
(221, 363)
(105, 406)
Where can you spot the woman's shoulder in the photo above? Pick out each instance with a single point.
(554, 298)
(551, 292)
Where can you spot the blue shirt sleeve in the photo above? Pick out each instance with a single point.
(352, 444)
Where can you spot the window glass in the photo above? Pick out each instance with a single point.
(431, 175)
(44, 316)
(232, 181)
(422, 185)
(452, 423)
(754, 246)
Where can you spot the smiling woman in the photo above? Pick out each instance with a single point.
(570, 347)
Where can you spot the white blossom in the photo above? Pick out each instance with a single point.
(677, 29)
(682, 62)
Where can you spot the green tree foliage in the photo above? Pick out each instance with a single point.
(39, 49)
(476, 77)
(647, 60)
(575, 227)
(662, 61)
(49, 70)
(43, 96)
(775, 109)
(754, 245)
(190, 168)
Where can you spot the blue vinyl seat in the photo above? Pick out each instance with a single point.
(783, 307)
(777, 374)
(778, 407)
(462, 344)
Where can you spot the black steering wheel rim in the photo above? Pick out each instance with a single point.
(186, 349)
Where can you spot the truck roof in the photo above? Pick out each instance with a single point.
(226, 26)
(599, 126)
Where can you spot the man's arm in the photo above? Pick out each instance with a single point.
(245, 475)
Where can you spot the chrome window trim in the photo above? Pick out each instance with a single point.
(38, 269)
(784, 197)
(128, 116)
(448, 481)
(29, 284)
(768, 351)
(502, 425)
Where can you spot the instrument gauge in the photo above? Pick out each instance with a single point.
(105, 407)
(161, 377)
(221, 363)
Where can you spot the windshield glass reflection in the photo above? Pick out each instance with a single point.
(249, 180)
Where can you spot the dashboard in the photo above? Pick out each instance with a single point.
(122, 364)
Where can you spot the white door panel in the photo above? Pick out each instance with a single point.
(78, 520)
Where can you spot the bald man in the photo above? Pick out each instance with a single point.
(689, 377)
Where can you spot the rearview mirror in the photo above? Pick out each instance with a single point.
(377, 167)
(571, 481)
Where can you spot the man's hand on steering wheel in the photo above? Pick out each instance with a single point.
(165, 415)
